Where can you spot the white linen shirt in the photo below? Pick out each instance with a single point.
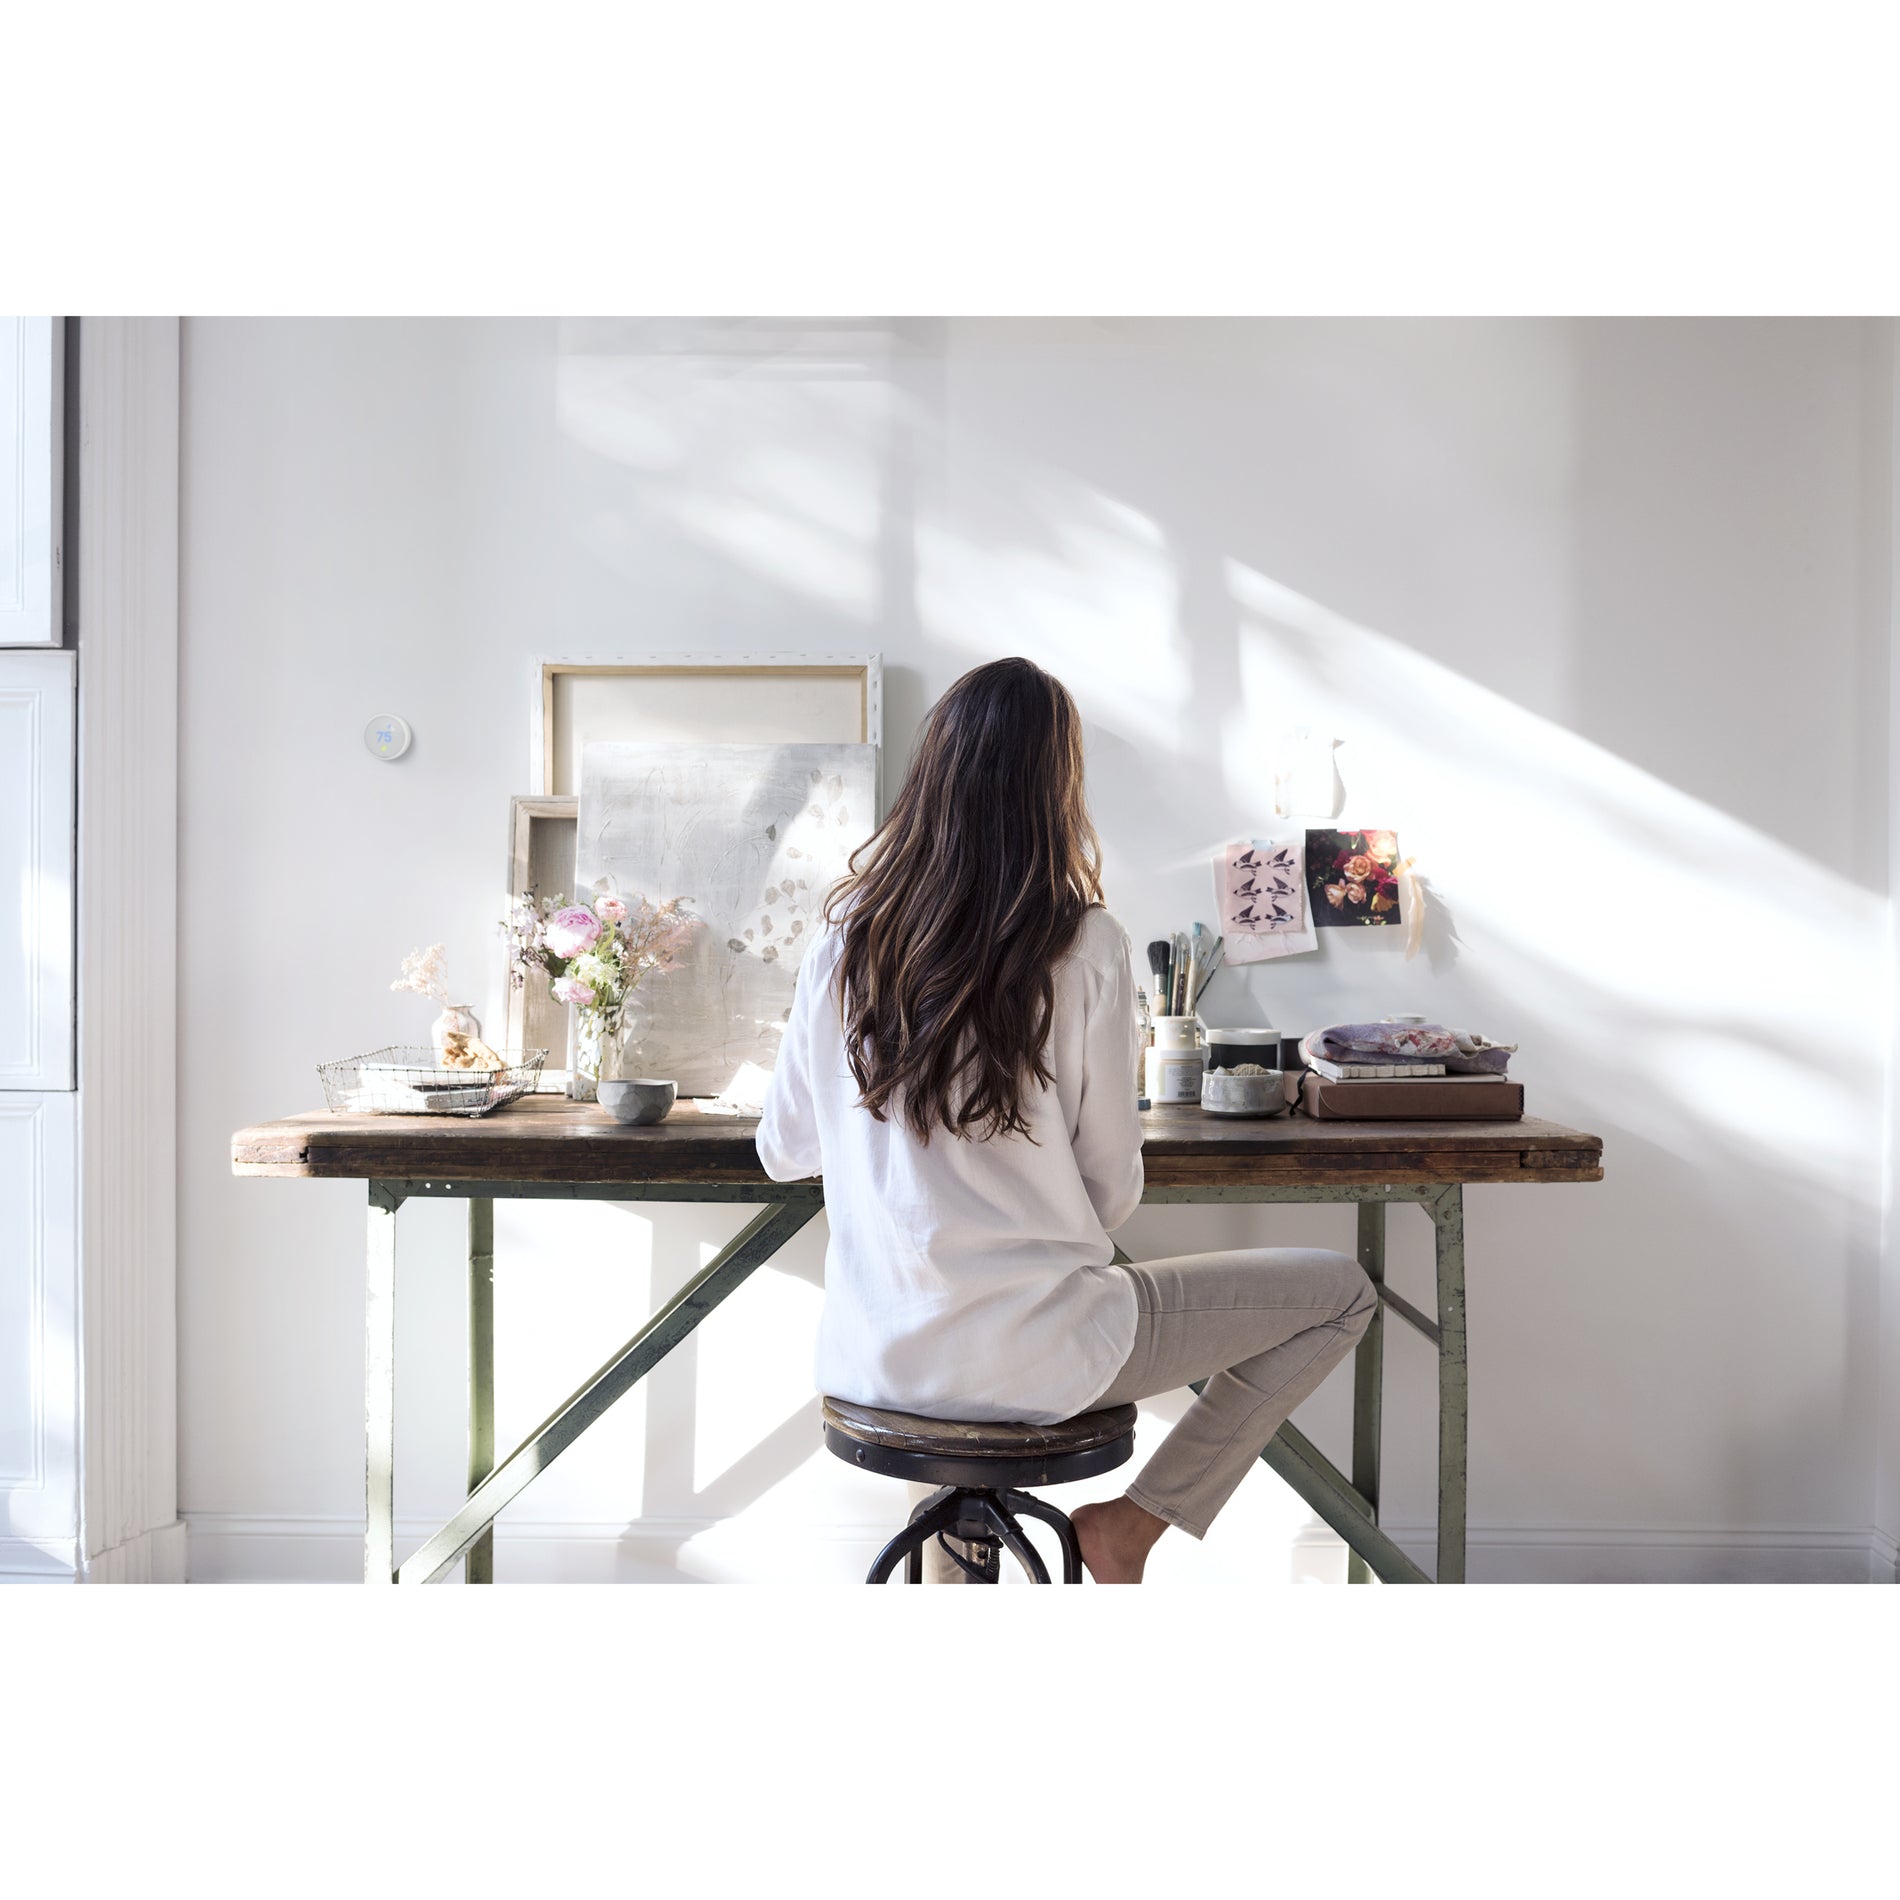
(970, 1279)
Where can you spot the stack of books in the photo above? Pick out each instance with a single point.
(1406, 1091)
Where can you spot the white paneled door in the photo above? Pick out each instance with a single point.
(39, 1338)
(39, 1341)
(31, 392)
(36, 870)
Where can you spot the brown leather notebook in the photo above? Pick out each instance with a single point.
(1436, 1098)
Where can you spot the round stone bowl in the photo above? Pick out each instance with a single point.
(637, 1099)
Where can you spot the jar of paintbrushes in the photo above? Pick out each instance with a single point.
(1182, 963)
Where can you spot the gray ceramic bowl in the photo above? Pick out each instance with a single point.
(637, 1099)
(1225, 1093)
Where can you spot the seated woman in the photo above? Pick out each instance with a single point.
(959, 1065)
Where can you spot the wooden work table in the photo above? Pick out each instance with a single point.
(547, 1148)
(548, 1138)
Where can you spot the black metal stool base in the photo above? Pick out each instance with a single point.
(980, 1467)
(987, 1518)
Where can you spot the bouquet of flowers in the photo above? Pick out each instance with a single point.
(593, 956)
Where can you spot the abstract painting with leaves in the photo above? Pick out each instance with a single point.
(750, 837)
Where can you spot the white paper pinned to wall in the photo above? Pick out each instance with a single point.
(1304, 782)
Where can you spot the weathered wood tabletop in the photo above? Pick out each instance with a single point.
(550, 1139)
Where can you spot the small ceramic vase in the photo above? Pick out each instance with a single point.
(457, 1019)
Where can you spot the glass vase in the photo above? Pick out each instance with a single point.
(587, 1038)
(625, 1051)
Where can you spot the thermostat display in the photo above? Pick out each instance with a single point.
(387, 736)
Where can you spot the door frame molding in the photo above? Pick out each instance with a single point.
(127, 578)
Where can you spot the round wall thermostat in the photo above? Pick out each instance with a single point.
(387, 736)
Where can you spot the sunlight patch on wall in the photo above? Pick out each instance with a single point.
(767, 445)
(756, 1411)
(592, 1264)
(1713, 971)
(1045, 566)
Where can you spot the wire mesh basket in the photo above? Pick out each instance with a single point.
(409, 1079)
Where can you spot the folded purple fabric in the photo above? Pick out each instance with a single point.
(1406, 1045)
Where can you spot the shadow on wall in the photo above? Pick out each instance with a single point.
(1685, 982)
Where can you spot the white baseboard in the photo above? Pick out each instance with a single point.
(240, 1548)
(1883, 1559)
(30, 1560)
(1643, 1553)
(152, 1557)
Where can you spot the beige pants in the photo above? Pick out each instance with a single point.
(1263, 1326)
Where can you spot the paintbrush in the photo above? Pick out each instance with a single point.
(1180, 974)
(1213, 962)
(1158, 962)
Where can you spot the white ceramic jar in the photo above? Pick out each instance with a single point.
(1177, 1061)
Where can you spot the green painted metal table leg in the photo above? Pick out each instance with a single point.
(1368, 1381)
(1448, 1224)
(479, 1563)
(379, 1388)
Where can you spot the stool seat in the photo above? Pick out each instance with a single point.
(957, 1438)
(979, 1465)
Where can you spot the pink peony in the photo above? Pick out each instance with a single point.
(1356, 892)
(572, 931)
(1335, 895)
(610, 910)
(1360, 868)
(570, 989)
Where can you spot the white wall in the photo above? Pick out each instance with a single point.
(1597, 608)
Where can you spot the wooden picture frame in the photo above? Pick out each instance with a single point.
(770, 698)
(542, 834)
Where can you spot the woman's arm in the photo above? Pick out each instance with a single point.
(1108, 1126)
(788, 1125)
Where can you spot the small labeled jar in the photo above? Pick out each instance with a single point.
(1177, 1061)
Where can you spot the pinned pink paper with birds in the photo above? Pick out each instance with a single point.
(1261, 892)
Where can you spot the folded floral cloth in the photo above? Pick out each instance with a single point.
(1457, 1051)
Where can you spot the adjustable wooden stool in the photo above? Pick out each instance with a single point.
(979, 1468)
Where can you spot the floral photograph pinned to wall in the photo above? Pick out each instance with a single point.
(1353, 878)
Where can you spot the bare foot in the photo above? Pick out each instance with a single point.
(1116, 1538)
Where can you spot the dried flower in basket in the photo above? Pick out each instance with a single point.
(456, 1033)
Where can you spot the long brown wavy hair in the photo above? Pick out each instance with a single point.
(956, 911)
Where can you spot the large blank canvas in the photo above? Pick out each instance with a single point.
(768, 702)
(751, 836)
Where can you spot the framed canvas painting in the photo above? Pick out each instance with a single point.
(750, 837)
(540, 859)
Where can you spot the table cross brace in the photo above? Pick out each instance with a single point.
(1349, 1506)
(750, 1248)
